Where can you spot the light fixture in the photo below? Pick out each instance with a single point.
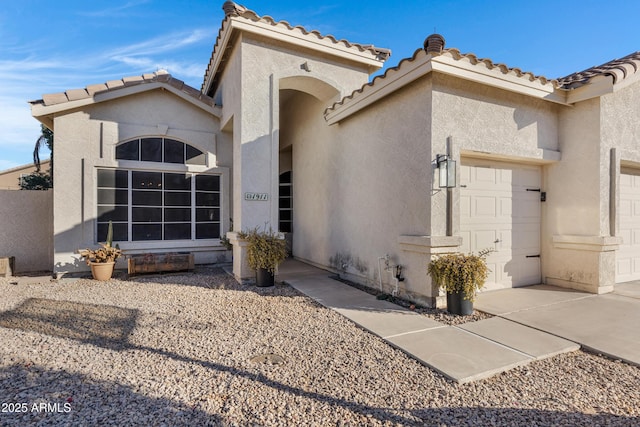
(447, 168)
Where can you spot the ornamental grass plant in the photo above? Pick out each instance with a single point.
(458, 272)
(266, 249)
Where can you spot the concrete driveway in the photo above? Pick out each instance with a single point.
(608, 324)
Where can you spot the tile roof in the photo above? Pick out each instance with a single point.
(232, 9)
(160, 76)
(618, 69)
(454, 54)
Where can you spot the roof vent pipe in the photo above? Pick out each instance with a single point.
(434, 44)
(233, 9)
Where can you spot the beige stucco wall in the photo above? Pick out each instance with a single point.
(79, 137)
(361, 184)
(583, 205)
(259, 67)
(484, 121)
(26, 227)
(10, 178)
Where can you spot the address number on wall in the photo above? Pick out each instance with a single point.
(261, 197)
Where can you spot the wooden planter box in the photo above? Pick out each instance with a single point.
(7, 266)
(159, 263)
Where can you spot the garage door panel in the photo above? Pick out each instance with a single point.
(466, 241)
(623, 267)
(512, 227)
(506, 208)
(628, 255)
(625, 208)
(484, 176)
(484, 206)
(625, 234)
(528, 177)
(530, 272)
(483, 239)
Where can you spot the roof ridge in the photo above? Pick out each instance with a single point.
(455, 54)
(232, 9)
(160, 76)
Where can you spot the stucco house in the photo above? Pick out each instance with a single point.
(444, 152)
(10, 179)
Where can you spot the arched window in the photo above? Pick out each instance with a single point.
(161, 150)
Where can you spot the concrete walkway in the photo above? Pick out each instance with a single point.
(462, 353)
(608, 324)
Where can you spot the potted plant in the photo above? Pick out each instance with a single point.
(460, 276)
(265, 251)
(103, 259)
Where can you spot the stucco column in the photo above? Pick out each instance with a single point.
(255, 158)
(241, 270)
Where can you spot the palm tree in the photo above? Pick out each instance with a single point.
(45, 139)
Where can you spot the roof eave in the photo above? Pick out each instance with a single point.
(282, 33)
(44, 112)
(370, 93)
(422, 64)
(496, 78)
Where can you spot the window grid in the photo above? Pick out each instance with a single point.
(160, 150)
(285, 203)
(159, 206)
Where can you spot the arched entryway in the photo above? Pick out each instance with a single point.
(302, 101)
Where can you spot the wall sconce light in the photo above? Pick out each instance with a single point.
(447, 171)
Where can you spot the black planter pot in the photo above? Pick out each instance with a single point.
(456, 304)
(264, 278)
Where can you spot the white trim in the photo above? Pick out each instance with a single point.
(295, 36)
(38, 110)
(424, 64)
(310, 41)
(587, 243)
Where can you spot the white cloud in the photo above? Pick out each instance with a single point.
(114, 11)
(161, 44)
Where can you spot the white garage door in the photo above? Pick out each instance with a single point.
(500, 209)
(628, 256)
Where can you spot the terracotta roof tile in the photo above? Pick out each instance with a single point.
(97, 88)
(618, 69)
(452, 53)
(113, 85)
(54, 98)
(75, 94)
(132, 80)
(232, 9)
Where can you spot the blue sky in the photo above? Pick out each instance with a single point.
(50, 46)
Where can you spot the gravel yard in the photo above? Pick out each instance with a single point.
(200, 349)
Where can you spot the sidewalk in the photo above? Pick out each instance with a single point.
(462, 353)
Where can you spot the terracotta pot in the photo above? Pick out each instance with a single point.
(102, 270)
